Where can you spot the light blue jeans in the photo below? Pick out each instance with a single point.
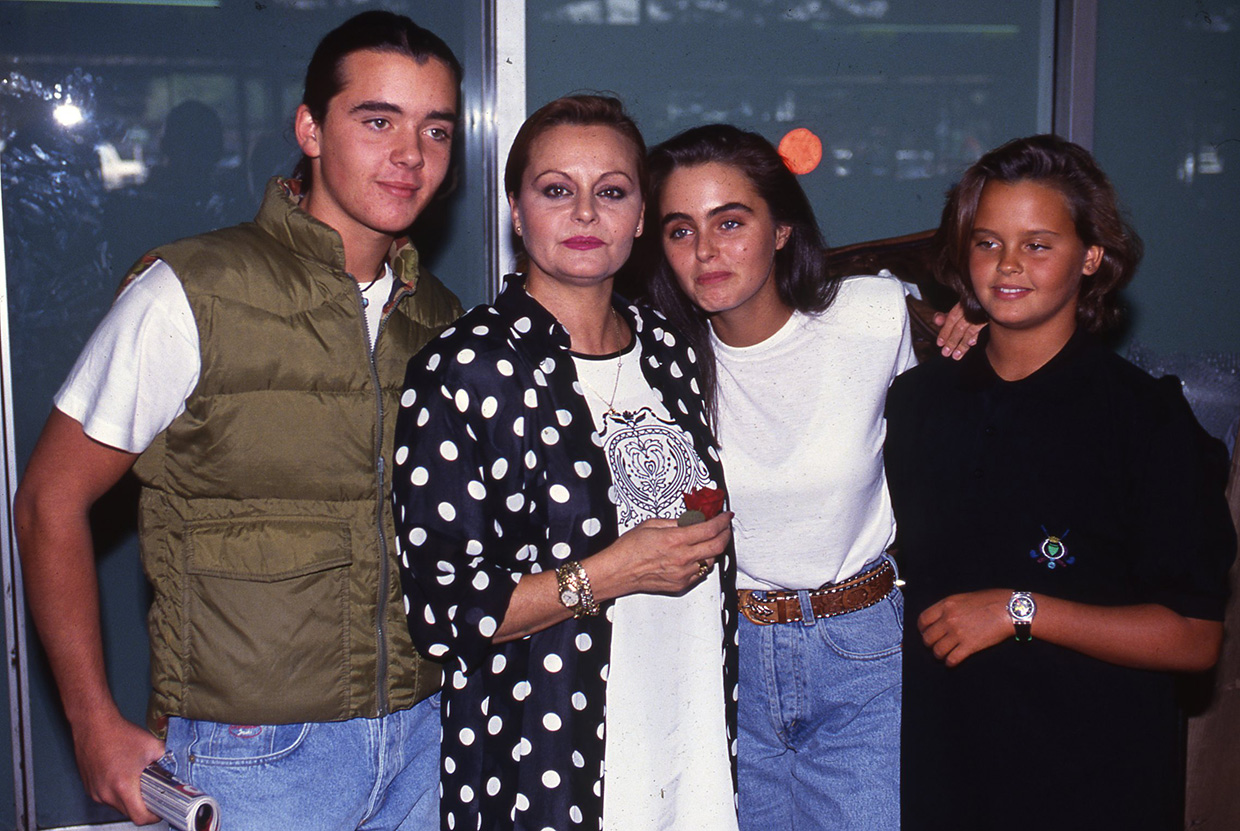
(376, 774)
(819, 721)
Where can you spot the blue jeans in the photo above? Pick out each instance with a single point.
(375, 774)
(819, 721)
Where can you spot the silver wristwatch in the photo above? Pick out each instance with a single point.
(1021, 609)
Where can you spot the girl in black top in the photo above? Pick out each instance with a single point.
(1062, 527)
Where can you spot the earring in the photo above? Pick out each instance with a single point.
(518, 229)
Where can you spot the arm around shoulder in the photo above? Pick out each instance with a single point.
(67, 473)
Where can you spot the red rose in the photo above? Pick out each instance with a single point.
(709, 501)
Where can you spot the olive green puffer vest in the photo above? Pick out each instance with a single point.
(266, 519)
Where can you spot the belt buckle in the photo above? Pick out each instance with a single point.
(760, 612)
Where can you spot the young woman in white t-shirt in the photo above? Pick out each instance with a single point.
(801, 364)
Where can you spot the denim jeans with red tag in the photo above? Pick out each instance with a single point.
(819, 721)
(365, 774)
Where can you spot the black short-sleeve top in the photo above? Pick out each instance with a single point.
(1090, 481)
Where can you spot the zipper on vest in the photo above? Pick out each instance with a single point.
(381, 651)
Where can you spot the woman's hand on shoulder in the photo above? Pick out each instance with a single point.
(961, 625)
(658, 557)
(956, 335)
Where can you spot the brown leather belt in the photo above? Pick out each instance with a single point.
(866, 589)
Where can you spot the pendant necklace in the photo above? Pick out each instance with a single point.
(611, 410)
(367, 287)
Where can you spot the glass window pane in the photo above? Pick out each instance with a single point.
(1167, 118)
(901, 94)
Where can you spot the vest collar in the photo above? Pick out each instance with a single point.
(282, 217)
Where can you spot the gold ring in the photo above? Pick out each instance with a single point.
(703, 568)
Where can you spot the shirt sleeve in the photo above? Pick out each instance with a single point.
(139, 367)
(1186, 542)
(462, 505)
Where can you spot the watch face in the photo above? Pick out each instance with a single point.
(570, 598)
(1021, 607)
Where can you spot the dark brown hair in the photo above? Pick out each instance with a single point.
(373, 31)
(1070, 169)
(802, 278)
(576, 111)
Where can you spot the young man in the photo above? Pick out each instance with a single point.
(250, 378)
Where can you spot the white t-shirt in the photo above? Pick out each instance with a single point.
(143, 361)
(667, 764)
(801, 430)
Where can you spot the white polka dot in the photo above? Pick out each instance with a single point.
(466, 736)
(553, 663)
(461, 399)
(539, 378)
(480, 330)
(596, 439)
(531, 459)
(564, 417)
(522, 802)
(476, 489)
(449, 764)
(550, 779)
(515, 502)
(499, 468)
(558, 493)
(504, 367)
(458, 680)
(669, 339)
(433, 362)
(447, 511)
(448, 450)
(549, 435)
(467, 793)
(473, 548)
(497, 664)
(489, 406)
(419, 476)
(408, 398)
(693, 385)
(547, 365)
(481, 580)
(438, 650)
(574, 813)
(530, 399)
(527, 552)
(424, 415)
(465, 356)
(552, 722)
(487, 626)
(582, 469)
(583, 642)
(579, 761)
(579, 701)
(561, 550)
(428, 614)
(520, 690)
(522, 325)
(494, 725)
(525, 746)
(518, 426)
(402, 453)
(692, 354)
(591, 527)
(417, 535)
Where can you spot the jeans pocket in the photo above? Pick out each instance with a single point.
(867, 634)
(216, 744)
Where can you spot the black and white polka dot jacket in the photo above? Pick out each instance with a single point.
(500, 473)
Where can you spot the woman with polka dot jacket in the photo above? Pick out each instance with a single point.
(542, 448)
